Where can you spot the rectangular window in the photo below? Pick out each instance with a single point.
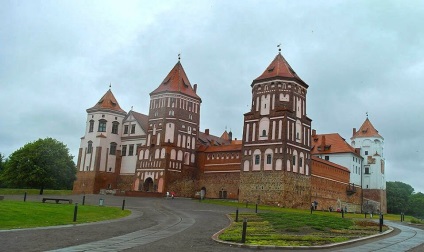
(115, 127)
(268, 158)
(124, 150)
(257, 159)
(112, 149)
(300, 162)
(131, 150)
(327, 158)
(294, 160)
(367, 170)
(102, 126)
(366, 152)
(133, 129)
(125, 129)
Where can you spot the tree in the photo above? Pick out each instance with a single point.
(2, 165)
(398, 194)
(416, 204)
(45, 163)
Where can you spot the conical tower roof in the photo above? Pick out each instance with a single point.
(107, 102)
(366, 130)
(279, 69)
(176, 81)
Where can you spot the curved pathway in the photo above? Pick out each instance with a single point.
(170, 225)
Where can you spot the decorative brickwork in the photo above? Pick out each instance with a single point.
(285, 189)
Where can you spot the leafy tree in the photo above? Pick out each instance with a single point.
(2, 165)
(398, 194)
(45, 163)
(416, 204)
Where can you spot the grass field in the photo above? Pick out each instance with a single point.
(10, 191)
(294, 227)
(16, 214)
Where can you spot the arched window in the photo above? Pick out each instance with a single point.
(112, 148)
(102, 125)
(90, 147)
(115, 126)
(91, 127)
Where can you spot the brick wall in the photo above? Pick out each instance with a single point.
(217, 183)
(281, 188)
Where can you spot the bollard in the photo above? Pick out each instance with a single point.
(381, 223)
(312, 209)
(123, 205)
(83, 200)
(342, 214)
(243, 234)
(25, 197)
(237, 215)
(256, 208)
(75, 212)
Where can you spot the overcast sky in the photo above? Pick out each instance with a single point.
(57, 58)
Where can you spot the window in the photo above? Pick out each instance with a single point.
(91, 128)
(124, 150)
(294, 160)
(257, 159)
(112, 148)
(300, 162)
(133, 129)
(90, 147)
(268, 159)
(366, 152)
(263, 132)
(327, 158)
(125, 129)
(131, 150)
(102, 125)
(115, 126)
(367, 170)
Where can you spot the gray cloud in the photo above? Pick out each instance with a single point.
(58, 58)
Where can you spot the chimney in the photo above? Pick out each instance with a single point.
(354, 131)
(323, 143)
(314, 132)
(207, 132)
(230, 135)
(195, 88)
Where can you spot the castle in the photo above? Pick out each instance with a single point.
(280, 159)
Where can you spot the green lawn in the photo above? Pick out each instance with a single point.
(295, 227)
(16, 214)
(11, 191)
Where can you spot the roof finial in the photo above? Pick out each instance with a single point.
(110, 85)
(279, 48)
(179, 57)
(367, 114)
(132, 108)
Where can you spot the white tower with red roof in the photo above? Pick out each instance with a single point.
(99, 157)
(371, 145)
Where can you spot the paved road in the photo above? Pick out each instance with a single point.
(167, 225)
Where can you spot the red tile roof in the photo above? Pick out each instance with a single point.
(107, 102)
(366, 130)
(206, 139)
(229, 147)
(176, 81)
(279, 69)
(330, 143)
(142, 119)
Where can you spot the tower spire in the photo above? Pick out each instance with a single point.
(279, 48)
(179, 57)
